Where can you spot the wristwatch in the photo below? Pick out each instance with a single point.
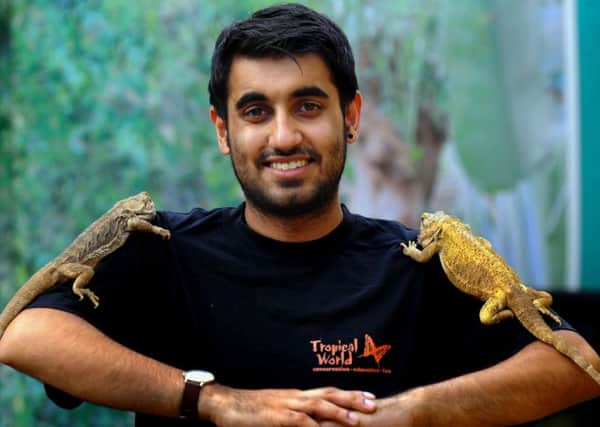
(194, 381)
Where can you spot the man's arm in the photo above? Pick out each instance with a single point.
(65, 351)
(535, 382)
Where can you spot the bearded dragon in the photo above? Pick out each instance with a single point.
(475, 268)
(77, 262)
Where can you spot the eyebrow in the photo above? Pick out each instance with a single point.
(310, 91)
(250, 97)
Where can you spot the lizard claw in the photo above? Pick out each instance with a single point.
(408, 248)
(91, 296)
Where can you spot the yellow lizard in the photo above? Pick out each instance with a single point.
(105, 235)
(475, 268)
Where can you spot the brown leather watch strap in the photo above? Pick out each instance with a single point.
(189, 400)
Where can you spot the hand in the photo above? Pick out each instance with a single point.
(227, 406)
(403, 410)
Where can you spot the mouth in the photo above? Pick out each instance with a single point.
(289, 165)
(425, 240)
(147, 215)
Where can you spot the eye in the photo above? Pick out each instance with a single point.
(309, 108)
(255, 113)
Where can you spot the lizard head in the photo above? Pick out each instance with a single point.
(140, 205)
(432, 225)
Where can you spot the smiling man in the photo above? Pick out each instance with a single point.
(288, 310)
(286, 131)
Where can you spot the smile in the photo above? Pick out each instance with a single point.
(289, 165)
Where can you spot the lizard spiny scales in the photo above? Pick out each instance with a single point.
(475, 268)
(77, 262)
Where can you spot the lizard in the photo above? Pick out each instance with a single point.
(474, 267)
(77, 262)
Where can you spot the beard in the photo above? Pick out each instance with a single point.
(311, 201)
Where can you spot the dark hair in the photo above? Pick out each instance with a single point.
(283, 30)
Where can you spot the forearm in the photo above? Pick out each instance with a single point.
(534, 383)
(70, 354)
(67, 352)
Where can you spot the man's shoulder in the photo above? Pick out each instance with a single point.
(197, 218)
(381, 230)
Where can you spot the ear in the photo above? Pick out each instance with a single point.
(352, 117)
(221, 129)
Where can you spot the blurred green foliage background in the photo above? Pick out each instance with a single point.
(100, 99)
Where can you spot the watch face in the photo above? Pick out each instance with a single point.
(199, 376)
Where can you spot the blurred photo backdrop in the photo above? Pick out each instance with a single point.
(482, 108)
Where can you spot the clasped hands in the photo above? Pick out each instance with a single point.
(321, 407)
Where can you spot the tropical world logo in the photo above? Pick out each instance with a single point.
(345, 355)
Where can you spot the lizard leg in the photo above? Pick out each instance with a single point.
(542, 300)
(82, 274)
(423, 255)
(494, 310)
(139, 224)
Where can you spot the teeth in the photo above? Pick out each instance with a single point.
(289, 165)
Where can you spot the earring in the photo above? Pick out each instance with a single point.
(350, 135)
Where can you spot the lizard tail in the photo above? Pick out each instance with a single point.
(520, 303)
(39, 282)
(574, 355)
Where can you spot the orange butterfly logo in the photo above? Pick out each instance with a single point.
(372, 350)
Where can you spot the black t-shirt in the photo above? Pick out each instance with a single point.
(348, 310)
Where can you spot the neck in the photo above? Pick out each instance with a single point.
(294, 229)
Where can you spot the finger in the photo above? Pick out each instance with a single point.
(361, 401)
(292, 418)
(320, 409)
(330, 403)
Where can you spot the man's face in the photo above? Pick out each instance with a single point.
(285, 132)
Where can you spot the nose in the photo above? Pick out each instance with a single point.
(285, 134)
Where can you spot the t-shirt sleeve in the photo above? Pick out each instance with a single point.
(128, 283)
(454, 339)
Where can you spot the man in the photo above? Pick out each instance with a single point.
(288, 295)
